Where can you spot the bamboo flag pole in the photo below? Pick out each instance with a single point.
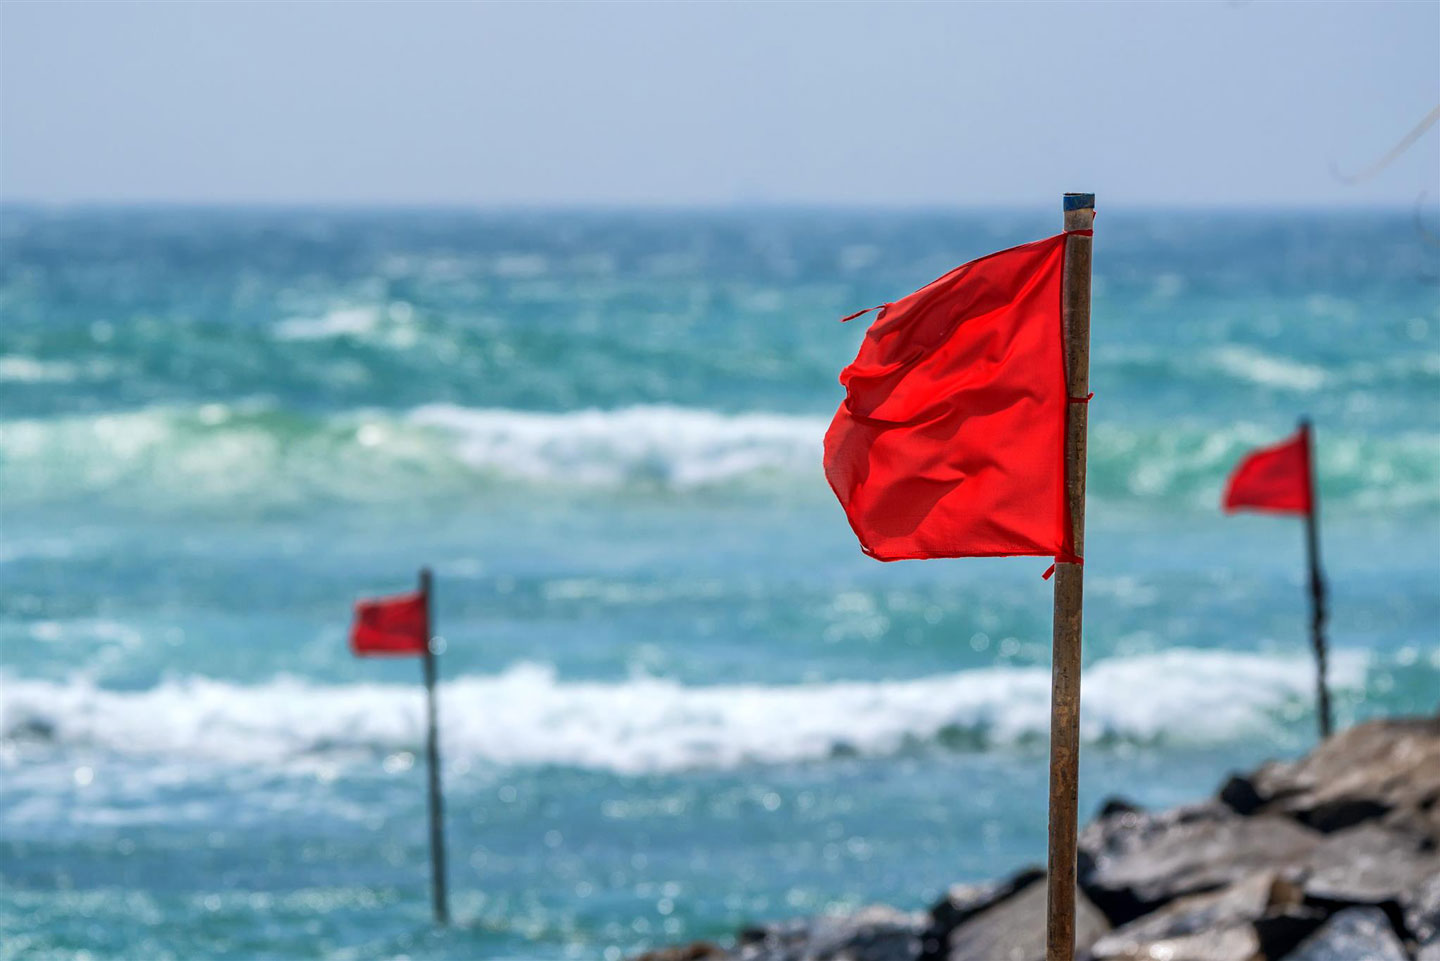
(1317, 584)
(1069, 593)
(432, 753)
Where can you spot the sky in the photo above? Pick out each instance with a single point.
(681, 103)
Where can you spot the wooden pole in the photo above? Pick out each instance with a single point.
(1069, 594)
(1317, 585)
(432, 753)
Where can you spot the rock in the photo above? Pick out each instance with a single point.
(1137, 862)
(1369, 864)
(1360, 774)
(872, 934)
(1355, 934)
(1014, 929)
(1240, 796)
(1261, 914)
(1421, 820)
(1282, 929)
(1227, 944)
(1421, 909)
(1216, 911)
(964, 901)
(1118, 805)
(697, 951)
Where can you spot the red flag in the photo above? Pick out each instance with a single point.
(390, 626)
(1274, 478)
(951, 438)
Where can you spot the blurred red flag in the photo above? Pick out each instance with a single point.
(1274, 478)
(390, 626)
(950, 441)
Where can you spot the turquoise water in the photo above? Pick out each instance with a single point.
(676, 698)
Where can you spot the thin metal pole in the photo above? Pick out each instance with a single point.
(1069, 594)
(432, 753)
(1317, 586)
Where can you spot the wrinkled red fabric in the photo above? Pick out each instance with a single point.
(951, 438)
(390, 626)
(1274, 479)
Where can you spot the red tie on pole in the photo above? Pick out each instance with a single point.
(399, 626)
(1281, 479)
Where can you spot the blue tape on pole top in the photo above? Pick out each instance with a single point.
(1079, 201)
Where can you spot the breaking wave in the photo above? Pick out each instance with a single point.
(527, 715)
(221, 455)
(674, 446)
(1265, 370)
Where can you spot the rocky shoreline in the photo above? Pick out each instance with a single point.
(1333, 857)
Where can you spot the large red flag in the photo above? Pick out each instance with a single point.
(391, 626)
(951, 438)
(1274, 478)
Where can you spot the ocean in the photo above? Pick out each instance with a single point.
(675, 697)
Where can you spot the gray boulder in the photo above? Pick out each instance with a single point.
(1014, 929)
(1377, 769)
(1135, 862)
(1355, 934)
(1238, 943)
(1370, 864)
(695, 951)
(1421, 908)
(1232, 924)
(964, 901)
(871, 934)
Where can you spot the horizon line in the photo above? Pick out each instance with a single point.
(1422, 205)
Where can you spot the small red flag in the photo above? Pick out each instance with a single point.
(951, 438)
(390, 626)
(1274, 478)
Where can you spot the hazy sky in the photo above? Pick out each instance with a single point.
(715, 103)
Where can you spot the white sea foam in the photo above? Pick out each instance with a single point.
(19, 369)
(529, 716)
(255, 455)
(677, 446)
(340, 322)
(1265, 370)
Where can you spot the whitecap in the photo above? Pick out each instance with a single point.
(681, 447)
(1257, 367)
(339, 322)
(19, 369)
(528, 715)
